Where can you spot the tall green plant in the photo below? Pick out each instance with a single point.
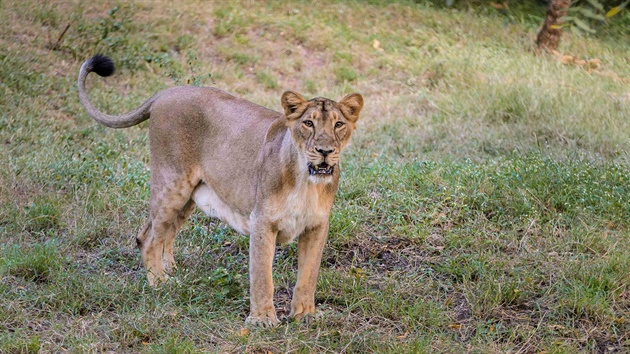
(585, 16)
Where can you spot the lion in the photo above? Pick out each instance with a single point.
(270, 175)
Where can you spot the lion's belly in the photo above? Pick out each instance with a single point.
(208, 201)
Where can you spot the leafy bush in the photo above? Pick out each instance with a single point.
(586, 16)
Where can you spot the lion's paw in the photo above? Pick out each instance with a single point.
(265, 320)
(301, 310)
(157, 280)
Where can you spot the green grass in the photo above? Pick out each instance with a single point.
(267, 80)
(483, 205)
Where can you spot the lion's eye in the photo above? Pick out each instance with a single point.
(308, 123)
(339, 124)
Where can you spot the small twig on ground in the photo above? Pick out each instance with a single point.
(57, 44)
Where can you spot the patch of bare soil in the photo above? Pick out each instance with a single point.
(380, 255)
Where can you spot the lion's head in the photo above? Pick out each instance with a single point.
(321, 128)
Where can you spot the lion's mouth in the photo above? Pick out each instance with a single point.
(323, 169)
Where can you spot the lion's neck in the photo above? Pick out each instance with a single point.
(290, 157)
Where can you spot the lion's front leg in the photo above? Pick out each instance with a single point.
(262, 242)
(310, 248)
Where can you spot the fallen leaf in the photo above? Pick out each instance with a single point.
(580, 62)
(243, 332)
(566, 59)
(377, 45)
(594, 64)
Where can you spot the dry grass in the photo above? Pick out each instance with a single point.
(483, 206)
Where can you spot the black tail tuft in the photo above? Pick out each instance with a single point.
(102, 65)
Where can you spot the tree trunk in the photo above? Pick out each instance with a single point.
(549, 36)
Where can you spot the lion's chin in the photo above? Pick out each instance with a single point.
(320, 179)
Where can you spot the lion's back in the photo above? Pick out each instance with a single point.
(214, 133)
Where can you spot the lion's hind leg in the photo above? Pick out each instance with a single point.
(143, 234)
(168, 261)
(170, 206)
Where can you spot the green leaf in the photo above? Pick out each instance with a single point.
(576, 31)
(590, 14)
(596, 4)
(583, 25)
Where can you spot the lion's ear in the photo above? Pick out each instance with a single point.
(293, 103)
(351, 106)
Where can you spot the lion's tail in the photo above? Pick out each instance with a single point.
(104, 66)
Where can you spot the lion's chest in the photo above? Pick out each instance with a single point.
(301, 209)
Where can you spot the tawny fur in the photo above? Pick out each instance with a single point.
(246, 165)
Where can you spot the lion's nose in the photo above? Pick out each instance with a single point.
(324, 152)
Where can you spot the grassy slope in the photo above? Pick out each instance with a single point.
(483, 204)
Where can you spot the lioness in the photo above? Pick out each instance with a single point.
(270, 175)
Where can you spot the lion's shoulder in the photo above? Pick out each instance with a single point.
(277, 129)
